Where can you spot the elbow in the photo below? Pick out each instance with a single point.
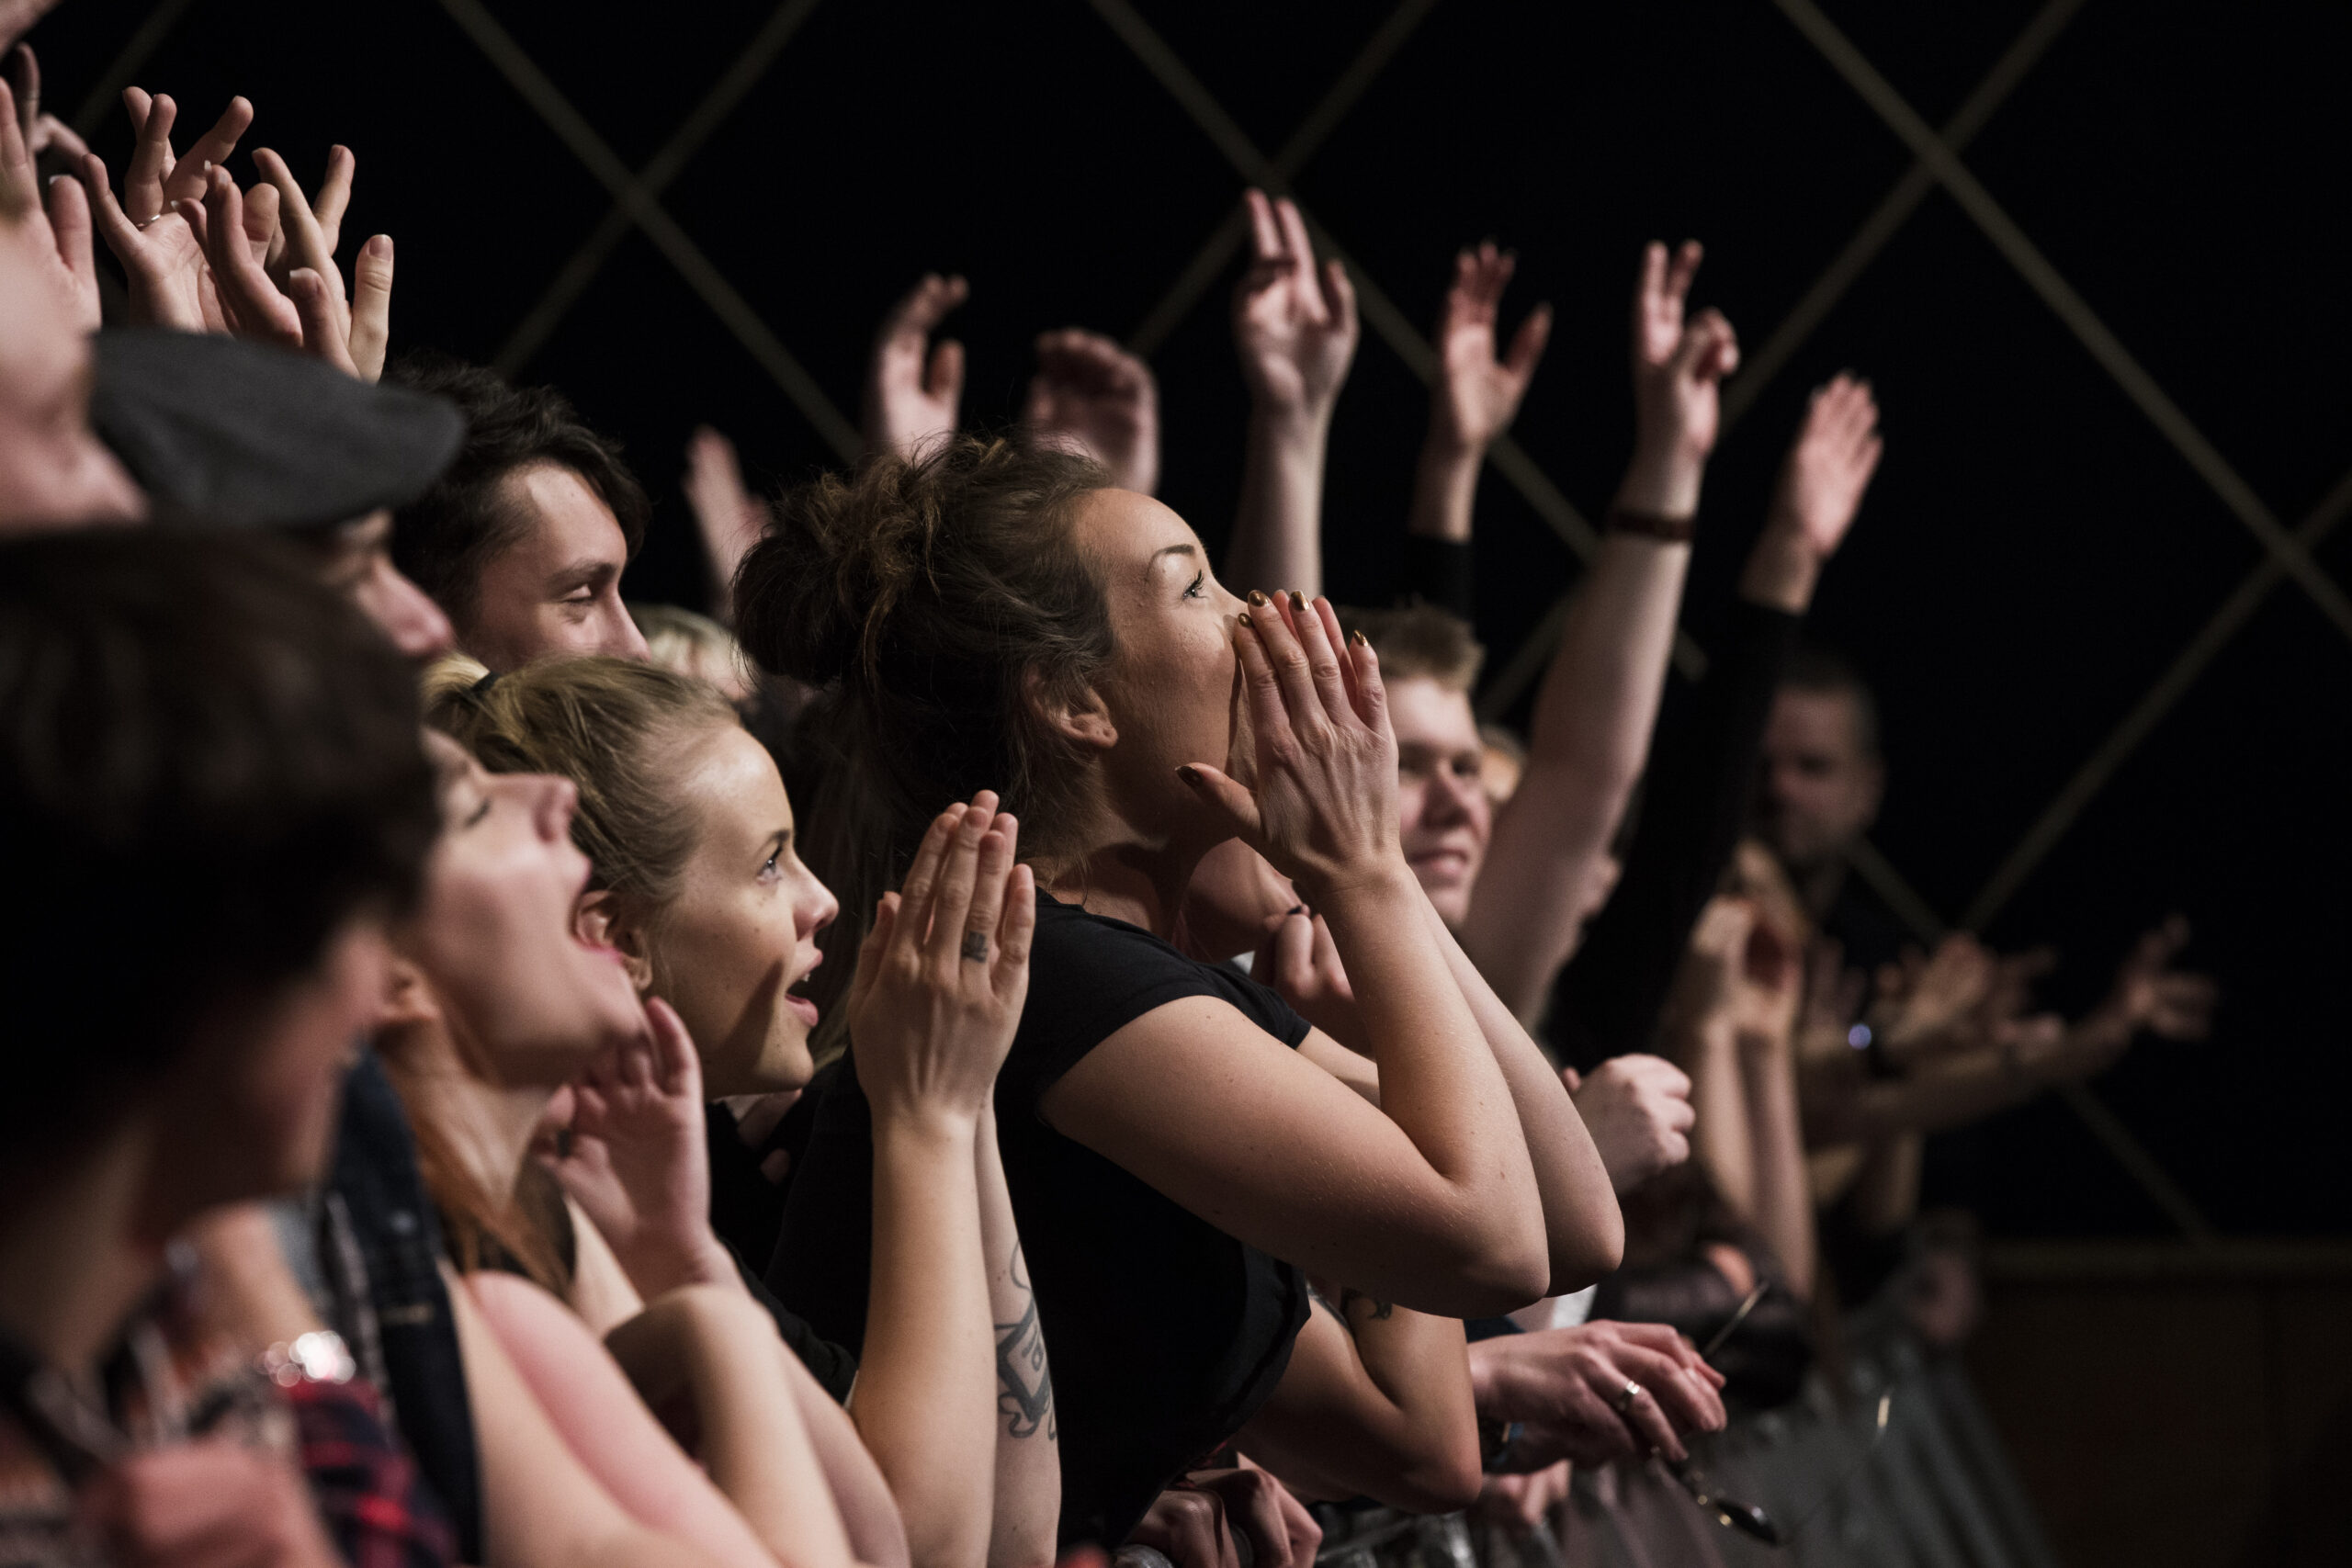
(1445, 1480)
(1511, 1268)
(1589, 1250)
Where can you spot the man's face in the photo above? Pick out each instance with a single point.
(359, 565)
(557, 590)
(1443, 814)
(1820, 790)
(52, 469)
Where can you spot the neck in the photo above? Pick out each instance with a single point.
(1142, 884)
(489, 1125)
(79, 1246)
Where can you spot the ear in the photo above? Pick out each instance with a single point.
(408, 998)
(1081, 718)
(605, 918)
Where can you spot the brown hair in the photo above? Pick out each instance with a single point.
(443, 538)
(1420, 641)
(938, 605)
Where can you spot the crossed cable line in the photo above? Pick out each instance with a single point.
(2287, 555)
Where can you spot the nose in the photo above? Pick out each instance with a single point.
(558, 799)
(410, 617)
(624, 641)
(1449, 797)
(821, 910)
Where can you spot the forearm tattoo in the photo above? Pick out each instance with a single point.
(1024, 1382)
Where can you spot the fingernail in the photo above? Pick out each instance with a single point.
(1296, 909)
(1257, 597)
(1297, 601)
(1359, 639)
(1188, 773)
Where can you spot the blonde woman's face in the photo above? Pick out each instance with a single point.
(732, 948)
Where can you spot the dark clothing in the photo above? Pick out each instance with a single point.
(747, 1210)
(1437, 572)
(1860, 921)
(1166, 1335)
(1695, 798)
(379, 1193)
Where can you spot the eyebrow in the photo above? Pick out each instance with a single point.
(588, 571)
(1167, 550)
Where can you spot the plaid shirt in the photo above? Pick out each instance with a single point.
(170, 1383)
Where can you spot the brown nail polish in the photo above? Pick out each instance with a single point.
(1298, 602)
(1257, 597)
(1190, 774)
(1357, 639)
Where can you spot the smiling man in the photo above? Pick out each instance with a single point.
(523, 541)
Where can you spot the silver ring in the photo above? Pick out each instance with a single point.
(1626, 1395)
(976, 946)
(142, 224)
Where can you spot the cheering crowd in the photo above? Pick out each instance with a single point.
(1006, 1038)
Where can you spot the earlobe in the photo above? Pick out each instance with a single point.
(603, 919)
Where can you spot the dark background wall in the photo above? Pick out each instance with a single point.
(2034, 553)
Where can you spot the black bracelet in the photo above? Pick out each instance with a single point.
(1649, 525)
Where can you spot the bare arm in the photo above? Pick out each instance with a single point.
(1431, 1200)
(1783, 1199)
(547, 1505)
(913, 386)
(931, 1030)
(1593, 715)
(1295, 327)
(1028, 1455)
(1378, 1406)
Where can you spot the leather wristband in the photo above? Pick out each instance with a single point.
(1649, 525)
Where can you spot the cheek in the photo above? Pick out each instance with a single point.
(1412, 798)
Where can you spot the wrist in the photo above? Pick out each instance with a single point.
(1301, 419)
(1663, 478)
(1782, 569)
(925, 1126)
(1375, 885)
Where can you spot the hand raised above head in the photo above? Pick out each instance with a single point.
(1680, 360)
(1321, 804)
(1091, 395)
(912, 387)
(1829, 466)
(1479, 394)
(1293, 323)
(156, 176)
(944, 974)
(58, 220)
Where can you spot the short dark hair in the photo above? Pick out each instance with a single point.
(443, 538)
(196, 735)
(1813, 668)
(1420, 640)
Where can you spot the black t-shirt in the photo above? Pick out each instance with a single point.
(1165, 1334)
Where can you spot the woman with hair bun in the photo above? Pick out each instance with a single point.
(1181, 1146)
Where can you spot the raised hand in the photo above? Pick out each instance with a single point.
(1830, 464)
(310, 310)
(1321, 800)
(2149, 993)
(1637, 1109)
(635, 1159)
(729, 518)
(1477, 394)
(1293, 323)
(163, 259)
(1092, 396)
(912, 387)
(58, 227)
(1680, 360)
(941, 976)
(46, 136)
(156, 177)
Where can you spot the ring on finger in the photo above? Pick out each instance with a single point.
(1626, 1395)
(976, 946)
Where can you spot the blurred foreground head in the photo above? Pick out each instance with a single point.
(213, 799)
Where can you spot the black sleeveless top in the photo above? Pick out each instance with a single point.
(1165, 1335)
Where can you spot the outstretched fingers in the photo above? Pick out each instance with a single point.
(150, 155)
(677, 1071)
(1321, 644)
(1286, 657)
(951, 909)
(1015, 927)
(211, 148)
(915, 894)
(372, 307)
